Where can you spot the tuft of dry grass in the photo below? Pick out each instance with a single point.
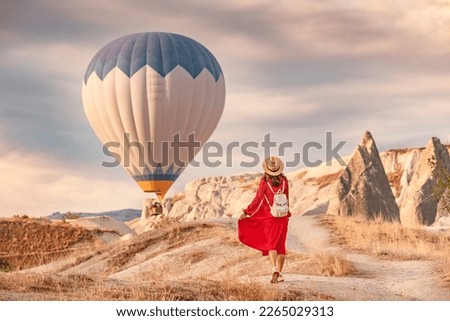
(392, 240)
(333, 264)
(320, 263)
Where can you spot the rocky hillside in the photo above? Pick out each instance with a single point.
(309, 188)
(27, 242)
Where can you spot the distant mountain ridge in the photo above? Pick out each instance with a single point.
(123, 215)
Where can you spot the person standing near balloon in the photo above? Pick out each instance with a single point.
(258, 228)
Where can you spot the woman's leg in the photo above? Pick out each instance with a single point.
(281, 253)
(273, 258)
(280, 262)
(281, 249)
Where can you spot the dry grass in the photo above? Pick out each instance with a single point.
(83, 288)
(392, 240)
(320, 263)
(26, 242)
(333, 264)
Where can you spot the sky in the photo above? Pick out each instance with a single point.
(296, 70)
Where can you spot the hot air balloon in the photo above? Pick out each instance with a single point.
(145, 92)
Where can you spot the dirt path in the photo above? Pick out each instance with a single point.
(376, 279)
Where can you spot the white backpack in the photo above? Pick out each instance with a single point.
(280, 206)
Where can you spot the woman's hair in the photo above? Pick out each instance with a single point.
(275, 180)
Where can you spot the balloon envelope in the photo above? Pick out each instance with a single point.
(147, 95)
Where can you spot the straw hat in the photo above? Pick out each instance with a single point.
(273, 166)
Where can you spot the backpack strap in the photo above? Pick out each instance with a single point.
(270, 186)
(267, 200)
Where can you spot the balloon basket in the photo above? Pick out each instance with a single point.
(151, 208)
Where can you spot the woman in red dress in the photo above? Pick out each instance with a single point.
(257, 227)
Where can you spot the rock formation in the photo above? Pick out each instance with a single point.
(363, 188)
(443, 206)
(215, 197)
(399, 165)
(420, 201)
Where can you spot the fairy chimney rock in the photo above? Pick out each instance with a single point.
(422, 197)
(363, 188)
(443, 209)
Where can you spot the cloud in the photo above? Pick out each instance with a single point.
(37, 116)
(37, 185)
(389, 106)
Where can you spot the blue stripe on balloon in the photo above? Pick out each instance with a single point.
(158, 175)
(161, 51)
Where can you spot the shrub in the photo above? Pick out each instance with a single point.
(5, 266)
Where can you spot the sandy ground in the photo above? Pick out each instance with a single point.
(377, 279)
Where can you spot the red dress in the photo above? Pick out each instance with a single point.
(261, 230)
